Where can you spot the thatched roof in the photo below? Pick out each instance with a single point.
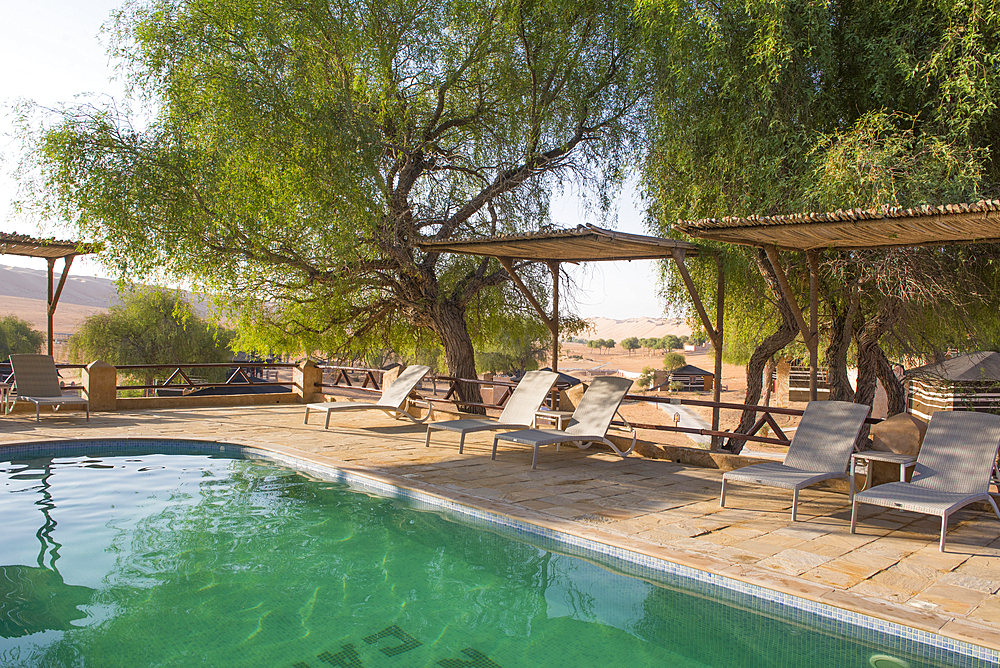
(581, 244)
(22, 244)
(857, 228)
(981, 366)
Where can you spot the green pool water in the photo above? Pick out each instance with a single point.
(195, 560)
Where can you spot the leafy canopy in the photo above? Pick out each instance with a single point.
(299, 150)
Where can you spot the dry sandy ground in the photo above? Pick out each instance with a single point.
(578, 357)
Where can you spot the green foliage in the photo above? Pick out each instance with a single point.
(646, 378)
(153, 326)
(517, 348)
(783, 106)
(298, 152)
(673, 361)
(17, 337)
(630, 344)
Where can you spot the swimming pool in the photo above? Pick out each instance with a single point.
(159, 553)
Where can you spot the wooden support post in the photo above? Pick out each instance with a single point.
(53, 297)
(813, 342)
(554, 321)
(714, 331)
(720, 299)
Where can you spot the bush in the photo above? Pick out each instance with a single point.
(17, 337)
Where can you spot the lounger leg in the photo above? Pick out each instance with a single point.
(722, 499)
(88, 412)
(495, 439)
(854, 514)
(36, 413)
(534, 458)
(327, 425)
(427, 441)
(461, 443)
(944, 530)
(795, 503)
(306, 420)
(994, 504)
(853, 488)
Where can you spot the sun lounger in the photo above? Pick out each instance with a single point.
(820, 450)
(517, 414)
(953, 469)
(37, 381)
(393, 400)
(589, 424)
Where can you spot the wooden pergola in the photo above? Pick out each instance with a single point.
(590, 244)
(51, 250)
(853, 229)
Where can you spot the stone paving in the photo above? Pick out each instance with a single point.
(890, 569)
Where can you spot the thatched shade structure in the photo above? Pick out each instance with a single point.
(847, 230)
(588, 243)
(51, 250)
(857, 228)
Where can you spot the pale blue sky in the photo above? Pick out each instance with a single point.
(53, 51)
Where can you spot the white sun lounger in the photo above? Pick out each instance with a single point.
(820, 450)
(953, 469)
(517, 414)
(393, 399)
(37, 381)
(589, 424)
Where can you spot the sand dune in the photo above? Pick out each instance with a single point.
(606, 328)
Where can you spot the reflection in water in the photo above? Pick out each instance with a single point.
(36, 599)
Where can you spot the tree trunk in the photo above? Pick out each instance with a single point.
(787, 331)
(869, 354)
(894, 390)
(836, 356)
(460, 356)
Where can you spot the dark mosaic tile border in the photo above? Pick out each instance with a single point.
(914, 643)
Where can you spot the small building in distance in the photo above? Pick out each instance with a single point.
(692, 378)
(964, 383)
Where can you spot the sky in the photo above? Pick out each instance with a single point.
(54, 51)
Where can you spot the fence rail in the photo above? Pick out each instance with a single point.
(369, 380)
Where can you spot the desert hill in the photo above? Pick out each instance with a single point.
(23, 293)
(643, 328)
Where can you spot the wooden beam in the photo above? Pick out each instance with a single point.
(678, 255)
(786, 289)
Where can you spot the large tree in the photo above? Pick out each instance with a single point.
(299, 150)
(768, 107)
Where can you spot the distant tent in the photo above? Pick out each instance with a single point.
(692, 378)
(965, 383)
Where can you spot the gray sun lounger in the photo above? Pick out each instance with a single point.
(393, 399)
(820, 450)
(37, 381)
(517, 414)
(589, 424)
(953, 469)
